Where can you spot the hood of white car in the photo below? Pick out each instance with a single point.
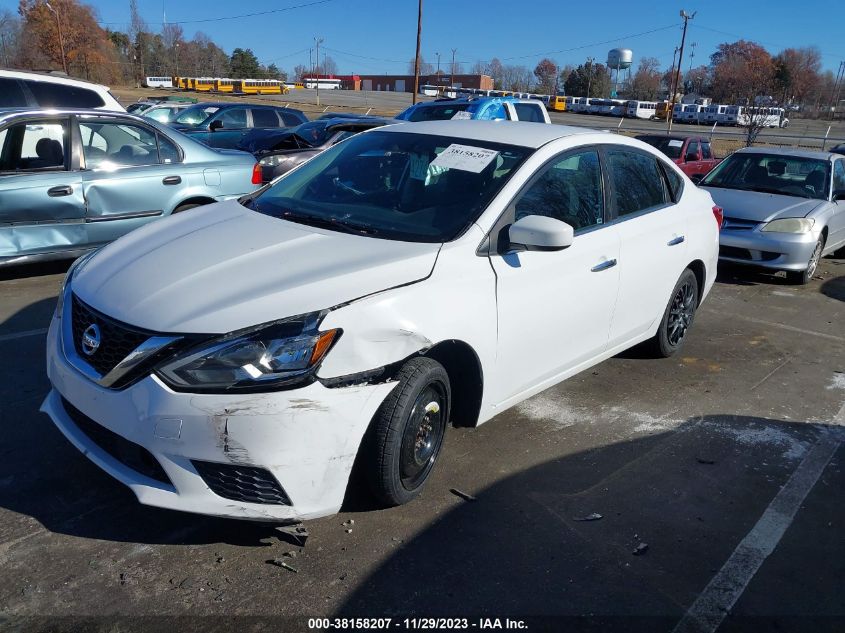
(223, 267)
(761, 207)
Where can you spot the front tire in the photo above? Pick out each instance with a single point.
(801, 277)
(407, 432)
(678, 316)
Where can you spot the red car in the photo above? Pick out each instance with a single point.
(691, 153)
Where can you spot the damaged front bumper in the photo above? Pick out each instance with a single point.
(271, 456)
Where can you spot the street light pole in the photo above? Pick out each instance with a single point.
(318, 41)
(452, 80)
(61, 36)
(417, 58)
(590, 61)
(687, 17)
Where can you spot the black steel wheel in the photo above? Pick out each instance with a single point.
(406, 435)
(678, 316)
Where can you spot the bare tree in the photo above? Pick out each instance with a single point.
(425, 67)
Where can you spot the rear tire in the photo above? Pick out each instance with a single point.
(407, 432)
(678, 316)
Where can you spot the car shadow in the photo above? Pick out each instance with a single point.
(738, 275)
(620, 537)
(24, 271)
(834, 288)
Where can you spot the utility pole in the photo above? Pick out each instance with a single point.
(417, 58)
(452, 81)
(176, 50)
(687, 17)
(318, 41)
(438, 67)
(61, 35)
(692, 53)
(590, 61)
(5, 54)
(837, 89)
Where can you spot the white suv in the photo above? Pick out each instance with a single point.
(19, 89)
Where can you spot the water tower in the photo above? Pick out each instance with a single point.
(619, 59)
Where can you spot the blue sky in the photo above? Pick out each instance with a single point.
(378, 36)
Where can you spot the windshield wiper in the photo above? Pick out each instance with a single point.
(327, 223)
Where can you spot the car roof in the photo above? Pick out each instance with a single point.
(7, 114)
(59, 78)
(788, 151)
(521, 133)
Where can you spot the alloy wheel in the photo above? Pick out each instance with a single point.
(680, 314)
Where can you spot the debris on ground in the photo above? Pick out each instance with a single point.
(640, 549)
(280, 562)
(594, 516)
(349, 531)
(348, 523)
(705, 460)
(293, 534)
(123, 579)
(291, 554)
(220, 559)
(462, 495)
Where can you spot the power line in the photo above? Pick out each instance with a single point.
(236, 17)
(742, 37)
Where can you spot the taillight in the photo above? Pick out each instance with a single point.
(719, 214)
(257, 178)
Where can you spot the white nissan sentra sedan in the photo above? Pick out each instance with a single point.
(236, 360)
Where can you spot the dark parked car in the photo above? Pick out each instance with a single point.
(692, 154)
(279, 151)
(224, 124)
(839, 149)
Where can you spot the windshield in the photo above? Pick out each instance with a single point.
(772, 173)
(196, 116)
(438, 112)
(669, 146)
(409, 187)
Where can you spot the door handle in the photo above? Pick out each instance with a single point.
(610, 263)
(676, 240)
(172, 180)
(62, 190)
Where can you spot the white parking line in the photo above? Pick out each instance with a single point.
(784, 326)
(17, 335)
(724, 589)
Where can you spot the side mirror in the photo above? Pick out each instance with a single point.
(838, 194)
(697, 178)
(215, 125)
(541, 233)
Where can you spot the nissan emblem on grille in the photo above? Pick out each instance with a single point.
(91, 339)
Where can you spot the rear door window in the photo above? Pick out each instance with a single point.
(63, 96)
(529, 112)
(11, 94)
(637, 182)
(110, 143)
(263, 117)
(706, 152)
(290, 119)
(233, 119)
(692, 151)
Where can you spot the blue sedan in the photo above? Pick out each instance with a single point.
(73, 180)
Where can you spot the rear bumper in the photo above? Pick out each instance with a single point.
(306, 439)
(778, 251)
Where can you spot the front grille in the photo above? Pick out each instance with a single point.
(117, 340)
(242, 483)
(736, 224)
(127, 453)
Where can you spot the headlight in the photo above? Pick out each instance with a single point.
(274, 160)
(268, 357)
(790, 225)
(60, 304)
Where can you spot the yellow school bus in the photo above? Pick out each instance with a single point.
(557, 103)
(260, 87)
(203, 84)
(225, 85)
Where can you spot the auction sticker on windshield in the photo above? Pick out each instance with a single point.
(465, 157)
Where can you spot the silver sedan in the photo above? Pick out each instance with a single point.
(784, 209)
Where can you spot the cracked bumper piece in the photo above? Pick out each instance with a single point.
(272, 456)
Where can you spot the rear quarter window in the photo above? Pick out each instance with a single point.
(62, 96)
(11, 94)
(529, 112)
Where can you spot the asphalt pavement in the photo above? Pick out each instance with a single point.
(641, 495)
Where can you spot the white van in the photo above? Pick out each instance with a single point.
(714, 113)
(677, 113)
(20, 89)
(691, 113)
(733, 114)
(158, 82)
(767, 117)
(641, 109)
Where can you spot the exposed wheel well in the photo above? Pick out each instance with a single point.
(465, 376)
(199, 200)
(700, 272)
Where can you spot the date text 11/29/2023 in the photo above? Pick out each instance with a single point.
(415, 624)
